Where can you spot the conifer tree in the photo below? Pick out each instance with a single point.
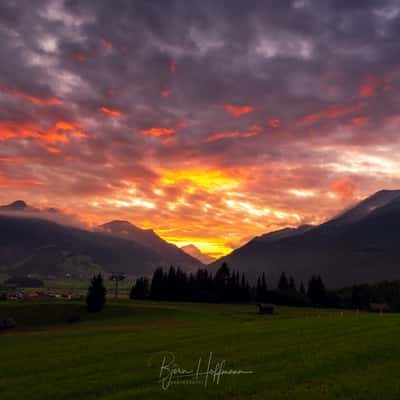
(283, 284)
(96, 296)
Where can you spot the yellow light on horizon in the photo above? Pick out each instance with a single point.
(198, 178)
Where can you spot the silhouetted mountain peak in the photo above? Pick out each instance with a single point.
(148, 238)
(365, 207)
(16, 205)
(283, 233)
(193, 251)
(118, 223)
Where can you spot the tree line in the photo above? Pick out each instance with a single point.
(228, 285)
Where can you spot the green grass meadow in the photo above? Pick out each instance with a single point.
(117, 354)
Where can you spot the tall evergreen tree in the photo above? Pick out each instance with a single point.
(140, 290)
(302, 289)
(158, 285)
(316, 291)
(292, 284)
(283, 283)
(96, 296)
(258, 290)
(264, 287)
(221, 281)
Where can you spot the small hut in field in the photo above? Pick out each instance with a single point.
(266, 308)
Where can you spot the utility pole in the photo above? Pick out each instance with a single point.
(117, 278)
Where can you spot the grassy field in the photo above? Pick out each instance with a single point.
(118, 354)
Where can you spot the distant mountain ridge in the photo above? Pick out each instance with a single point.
(192, 250)
(359, 245)
(168, 252)
(32, 244)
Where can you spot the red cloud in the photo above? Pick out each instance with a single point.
(79, 56)
(111, 112)
(165, 93)
(10, 130)
(334, 111)
(6, 182)
(172, 67)
(182, 124)
(370, 86)
(106, 44)
(52, 101)
(274, 123)
(59, 134)
(359, 120)
(238, 111)
(158, 131)
(74, 128)
(235, 134)
(344, 187)
(14, 160)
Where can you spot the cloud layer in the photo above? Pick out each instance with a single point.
(207, 122)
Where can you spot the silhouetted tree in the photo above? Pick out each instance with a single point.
(171, 287)
(221, 281)
(158, 285)
(316, 291)
(302, 289)
(140, 290)
(96, 296)
(292, 284)
(258, 289)
(283, 284)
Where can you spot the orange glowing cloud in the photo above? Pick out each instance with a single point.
(10, 130)
(165, 93)
(209, 180)
(334, 111)
(158, 131)
(59, 133)
(51, 149)
(110, 112)
(14, 160)
(344, 187)
(52, 101)
(226, 135)
(6, 182)
(74, 128)
(253, 130)
(238, 111)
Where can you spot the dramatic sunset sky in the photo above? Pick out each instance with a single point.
(208, 121)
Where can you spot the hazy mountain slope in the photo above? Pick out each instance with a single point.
(196, 253)
(283, 233)
(21, 238)
(361, 245)
(168, 252)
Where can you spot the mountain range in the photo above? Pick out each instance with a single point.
(360, 245)
(31, 244)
